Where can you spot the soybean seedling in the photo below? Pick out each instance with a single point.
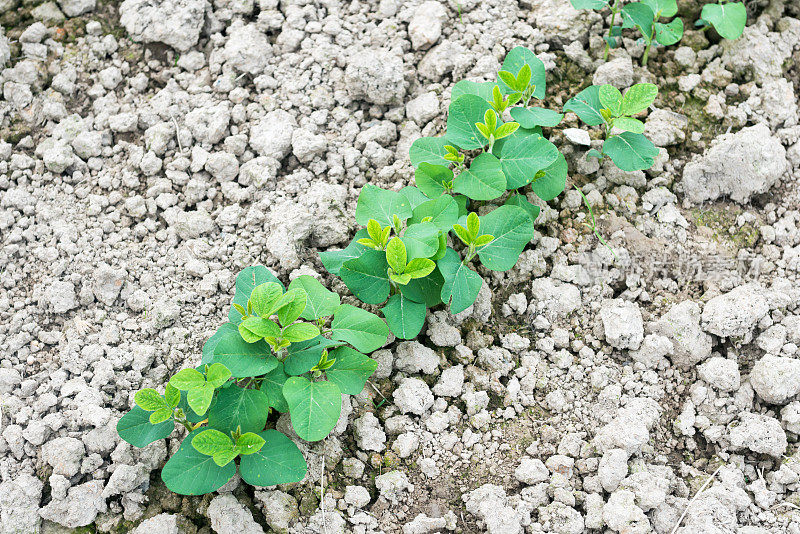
(605, 105)
(593, 225)
(645, 17)
(728, 18)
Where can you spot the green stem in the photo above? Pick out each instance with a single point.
(613, 18)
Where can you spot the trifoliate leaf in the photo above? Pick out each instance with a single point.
(210, 441)
(638, 98)
(629, 124)
(149, 399)
(160, 415)
(264, 298)
(249, 443)
(199, 398)
(187, 379)
(396, 255)
(513, 63)
(300, 332)
(419, 267)
(217, 374)
(246, 281)
(610, 98)
(254, 328)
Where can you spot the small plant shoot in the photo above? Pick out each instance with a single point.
(624, 141)
(645, 17)
(295, 350)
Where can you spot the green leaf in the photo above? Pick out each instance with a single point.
(670, 33)
(425, 290)
(314, 407)
(291, 305)
(244, 359)
(429, 150)
(211, 441)
(300, 332)
(630, 151)
(638, 98)
(246, 280)
(396, 255)
(172, 395)
(249, 443)
(473, 226)
(461, 284)
(265, 297)
(462, 234)
(728, 19)
(135, 428)
(484, 180)
(279, 461)
(149, 399)
(191, 415)
(254, 328)
(629, 124)
(512, 229)
(533, 117)
(190, 473)
(610, 98)
(333, 260)
(586, 105)
(272, 387)
(160, 415)
(640, 15)
(522, 202)
(466, 87)
(199, 398)
(443, 212)
(351, 370)
(320, 302)
(208, 347)
(223, 458)
(663, 8)
(514, 61)
(431, 179)
(367, 276)
(237, 407)
(404, 317)
(420, 267)
(363, 330)
(421, 240)
(523, 155)
(217, 374)
(589, 4)
(464, 113)
(381, 205)
(554, 180)
(306, 354)
(414, 196)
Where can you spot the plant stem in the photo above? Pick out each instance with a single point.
(613, 18)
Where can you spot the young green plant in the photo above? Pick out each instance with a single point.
(645, 16)
(295, 350)
(624, 141)
(614, 31)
